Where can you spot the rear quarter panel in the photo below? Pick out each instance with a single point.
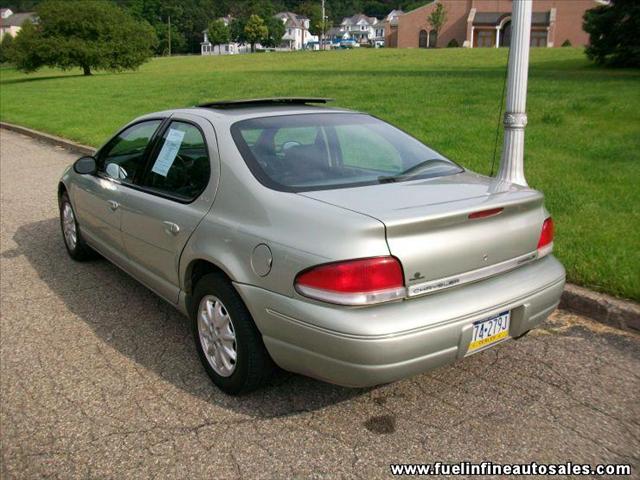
(299, 231)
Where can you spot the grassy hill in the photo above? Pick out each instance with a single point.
(583, 138)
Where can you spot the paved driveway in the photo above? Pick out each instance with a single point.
(99, 378)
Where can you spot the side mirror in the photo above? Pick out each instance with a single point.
(86, 166)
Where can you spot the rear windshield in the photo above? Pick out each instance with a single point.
(324, 151)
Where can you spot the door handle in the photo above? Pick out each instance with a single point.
(172, 228)
(113, 205)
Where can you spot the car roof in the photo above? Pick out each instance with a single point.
(236, 114)
(231, 112)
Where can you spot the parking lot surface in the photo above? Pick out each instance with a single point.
(100, 379)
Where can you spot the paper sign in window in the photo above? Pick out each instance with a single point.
(168, 153)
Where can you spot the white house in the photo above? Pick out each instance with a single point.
(296, 35)
(11, 23)
(231, 48)
(361, 29)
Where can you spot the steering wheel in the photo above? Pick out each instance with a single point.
(177, 174)
(290, 144)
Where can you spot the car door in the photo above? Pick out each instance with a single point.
(98, 197)
(174, 194)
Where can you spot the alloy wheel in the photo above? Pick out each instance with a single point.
(217, 335)
(69, 226)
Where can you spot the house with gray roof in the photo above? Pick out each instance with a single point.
(296, 35)
(11, 23)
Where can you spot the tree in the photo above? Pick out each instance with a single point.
(5, 48)
(218, 32)
(178, 42)
(236, 30)
(437, 19)
(25, 52)
(188, 17)
(614, 31)
(374, 8)
(90, 34)
(275, 32)
(255, 30)
(262, 8)
(313, 12)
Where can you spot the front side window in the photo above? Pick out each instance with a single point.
(323, 151)
(124, 157)
(180, 167)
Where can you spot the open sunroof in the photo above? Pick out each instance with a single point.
(226, 104)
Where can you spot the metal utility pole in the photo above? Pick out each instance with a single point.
(515, 117)
(323, 25)
(169, 35)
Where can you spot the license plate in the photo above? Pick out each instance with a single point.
(489, 331)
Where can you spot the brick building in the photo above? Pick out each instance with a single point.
(487, 23)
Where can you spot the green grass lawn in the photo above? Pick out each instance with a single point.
(583, 138)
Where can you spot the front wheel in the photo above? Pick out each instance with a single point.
(76, 246)
(228, 342)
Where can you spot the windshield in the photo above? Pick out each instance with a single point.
(333, 150)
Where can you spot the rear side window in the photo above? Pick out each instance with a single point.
(123, 158)
(333, 150)
(180, 165)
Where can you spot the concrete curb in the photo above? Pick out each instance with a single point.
(623, 314)
(51, 139)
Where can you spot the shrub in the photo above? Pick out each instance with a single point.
(613, 33)
(566, 43)
(453, 43)
(5, 47)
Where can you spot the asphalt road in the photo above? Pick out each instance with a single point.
(99, 378)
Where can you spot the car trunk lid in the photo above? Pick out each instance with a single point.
(428, 225)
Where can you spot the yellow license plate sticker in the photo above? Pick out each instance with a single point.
(489, 331)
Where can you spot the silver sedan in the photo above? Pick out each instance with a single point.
(324, 241)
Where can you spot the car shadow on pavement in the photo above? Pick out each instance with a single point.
(134, 321)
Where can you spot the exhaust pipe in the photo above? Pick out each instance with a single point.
(515, 117)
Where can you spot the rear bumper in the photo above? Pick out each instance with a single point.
(364, 346)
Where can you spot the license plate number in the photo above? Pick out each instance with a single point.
(489, 331)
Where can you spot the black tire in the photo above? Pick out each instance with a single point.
(253, 366)
(80, 251)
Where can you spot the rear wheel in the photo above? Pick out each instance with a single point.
(228, 342)
(76, 246)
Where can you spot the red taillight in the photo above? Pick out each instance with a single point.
(545, 244)
(354, 282)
